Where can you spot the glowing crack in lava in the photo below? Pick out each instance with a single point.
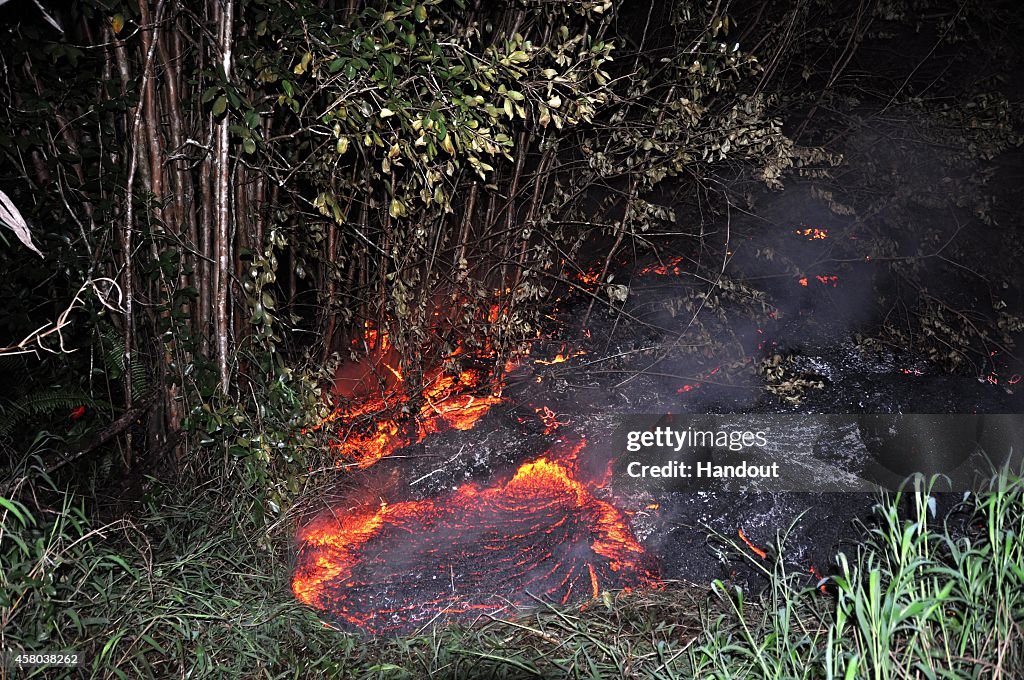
(541, 532)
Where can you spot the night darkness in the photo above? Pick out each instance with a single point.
(333, 328)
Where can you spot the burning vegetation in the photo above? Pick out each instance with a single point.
(373, 418)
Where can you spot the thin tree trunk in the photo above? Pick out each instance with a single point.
(127, 236)
(223, 211)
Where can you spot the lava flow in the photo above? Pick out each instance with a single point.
(542, 533)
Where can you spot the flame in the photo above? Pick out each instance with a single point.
(560, 358)
(803, 282)
(397, 566)
(374, 430)
(376, 420)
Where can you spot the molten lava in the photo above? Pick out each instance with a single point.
(540, 533)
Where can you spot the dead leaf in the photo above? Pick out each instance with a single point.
(12, 219)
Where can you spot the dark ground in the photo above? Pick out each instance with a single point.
(925, 239)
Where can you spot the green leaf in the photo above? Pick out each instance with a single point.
(220, 106)
(13, 509)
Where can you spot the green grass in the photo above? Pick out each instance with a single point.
(192, 590)
(917, 599)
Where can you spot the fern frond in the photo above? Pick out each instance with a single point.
(44, 402)
(113, 351)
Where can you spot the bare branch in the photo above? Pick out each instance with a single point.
(33, 342)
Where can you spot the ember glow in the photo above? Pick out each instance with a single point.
(760, 552)
(813, 571)
(700, 380)
(560, 358)
(542, 531)
(671, 267)
(550, 419)
(830, 280)
(813, 234)
(590, 277)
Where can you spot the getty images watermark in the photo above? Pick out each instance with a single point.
(690, 439)
(814, 453)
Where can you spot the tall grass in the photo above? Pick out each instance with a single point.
(194, 590)
(919, 598)
(179, 591)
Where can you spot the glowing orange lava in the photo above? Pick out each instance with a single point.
(760, 552)
(541, 532)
